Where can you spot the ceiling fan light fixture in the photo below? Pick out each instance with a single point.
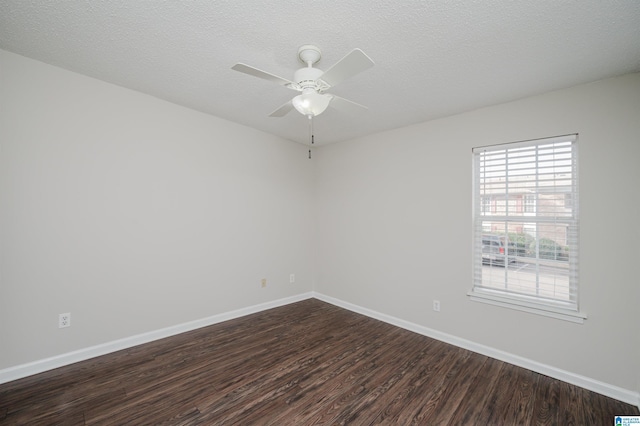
(311, 103)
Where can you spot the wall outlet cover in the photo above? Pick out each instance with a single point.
(64, 320)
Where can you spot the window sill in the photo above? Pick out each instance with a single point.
(526, 306)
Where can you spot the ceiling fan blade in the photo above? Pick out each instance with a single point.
(247, 69)
(345, 105)
(355, 62)
(283, 110)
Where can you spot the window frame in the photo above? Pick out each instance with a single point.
(568, 311)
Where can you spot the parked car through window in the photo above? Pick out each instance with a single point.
(496, 249)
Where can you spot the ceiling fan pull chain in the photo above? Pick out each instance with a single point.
(310, 133)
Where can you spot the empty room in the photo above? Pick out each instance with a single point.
(328, 212)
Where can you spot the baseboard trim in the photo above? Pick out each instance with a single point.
(29, 369)
(625, 395)
(40, 366)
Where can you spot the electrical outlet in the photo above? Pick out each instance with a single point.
(292, 278)
(263, 282)
(64, 320)
(436, 305)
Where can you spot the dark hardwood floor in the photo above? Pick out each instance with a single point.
(303, 364)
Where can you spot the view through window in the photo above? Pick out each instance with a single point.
(526, 223)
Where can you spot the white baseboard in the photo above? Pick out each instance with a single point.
(24, 370)
(625, 395)
(29, 369)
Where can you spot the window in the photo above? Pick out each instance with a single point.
(529, 203)
(485, 206)
(527, 258)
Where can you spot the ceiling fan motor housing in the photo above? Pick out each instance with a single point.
(308, 78)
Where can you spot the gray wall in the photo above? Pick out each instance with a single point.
(395, 227)
(135, 214)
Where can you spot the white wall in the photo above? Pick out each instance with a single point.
(395, 227)
(135, 214)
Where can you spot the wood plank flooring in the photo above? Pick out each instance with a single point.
(308, 363)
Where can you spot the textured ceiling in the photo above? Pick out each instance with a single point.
(433, 58)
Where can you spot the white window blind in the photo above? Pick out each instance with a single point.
(525, 244)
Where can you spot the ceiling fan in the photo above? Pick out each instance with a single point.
(313, 82)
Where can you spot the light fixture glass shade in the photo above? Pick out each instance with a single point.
(311, 103)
